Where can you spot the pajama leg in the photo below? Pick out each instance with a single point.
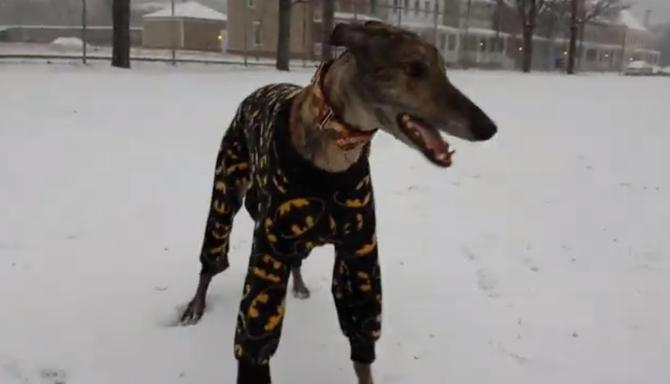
(230, 183)
(231, 177)
(259, 321)
(358, 298)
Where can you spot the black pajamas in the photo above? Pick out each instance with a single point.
(296, 207)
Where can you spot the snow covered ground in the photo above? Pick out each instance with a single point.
(541, 257)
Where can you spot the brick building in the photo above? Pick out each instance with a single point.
(253, 25)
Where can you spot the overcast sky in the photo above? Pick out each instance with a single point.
(660, 9)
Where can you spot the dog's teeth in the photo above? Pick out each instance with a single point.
(405, 118)
(442, 156)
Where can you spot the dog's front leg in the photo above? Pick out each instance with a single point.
(363, 373)
(261, 314)
(358, 295)
(196, 307)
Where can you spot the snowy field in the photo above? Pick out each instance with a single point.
(541, 257)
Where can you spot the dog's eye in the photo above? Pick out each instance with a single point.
(415, 69)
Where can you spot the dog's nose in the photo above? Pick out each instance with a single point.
(484, 128)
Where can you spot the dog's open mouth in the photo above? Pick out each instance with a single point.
(427, 138)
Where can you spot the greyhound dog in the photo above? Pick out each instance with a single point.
(298, 159)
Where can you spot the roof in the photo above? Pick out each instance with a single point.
(430, 26)
(627, 19)
(189, 10)
(355, 16)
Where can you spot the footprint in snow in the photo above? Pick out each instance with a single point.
(53, 376)
(487, 282)
(518, 358)
(469, 254)
(531, 264)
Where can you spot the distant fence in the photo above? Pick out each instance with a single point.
(44, 34)
(466, 36)
(182, 34)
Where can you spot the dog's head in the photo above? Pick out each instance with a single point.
(403, 80)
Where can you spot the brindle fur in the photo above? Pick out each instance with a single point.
(385, 71)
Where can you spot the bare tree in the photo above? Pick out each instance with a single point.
(284, 36)
(664, 46)
(121, 35)
(328, 21)
(582, 12)
(528, 11)
(572, 50)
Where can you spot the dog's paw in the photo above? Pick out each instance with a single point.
(301, 293)
(193, 313)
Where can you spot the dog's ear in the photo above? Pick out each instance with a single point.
(352, 36)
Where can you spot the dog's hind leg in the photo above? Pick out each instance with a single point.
(230, 183)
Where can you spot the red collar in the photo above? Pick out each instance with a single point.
(349, 137)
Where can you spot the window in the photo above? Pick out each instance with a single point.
(452, 42)
(591, 55)
(317, 49)
(257, 34)
(443, 41)
(395, 5)
(251, 3)
(427, 4)
(406, 6)
(416, 7)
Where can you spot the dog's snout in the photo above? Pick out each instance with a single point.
(479, 126)
(483, 127)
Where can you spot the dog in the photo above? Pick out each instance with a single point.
(297, 158)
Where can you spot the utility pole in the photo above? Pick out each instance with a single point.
(305, 49)
(121, 34)
(624, 59)
(499, 20)
(83, 31)
(400, 10)
(436, 17)
(465, 34)
(327, 21)
(647, 18)
(283, 58)
(572, 50)
(246, 33)
(174, 34)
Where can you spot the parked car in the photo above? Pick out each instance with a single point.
(639, 68)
